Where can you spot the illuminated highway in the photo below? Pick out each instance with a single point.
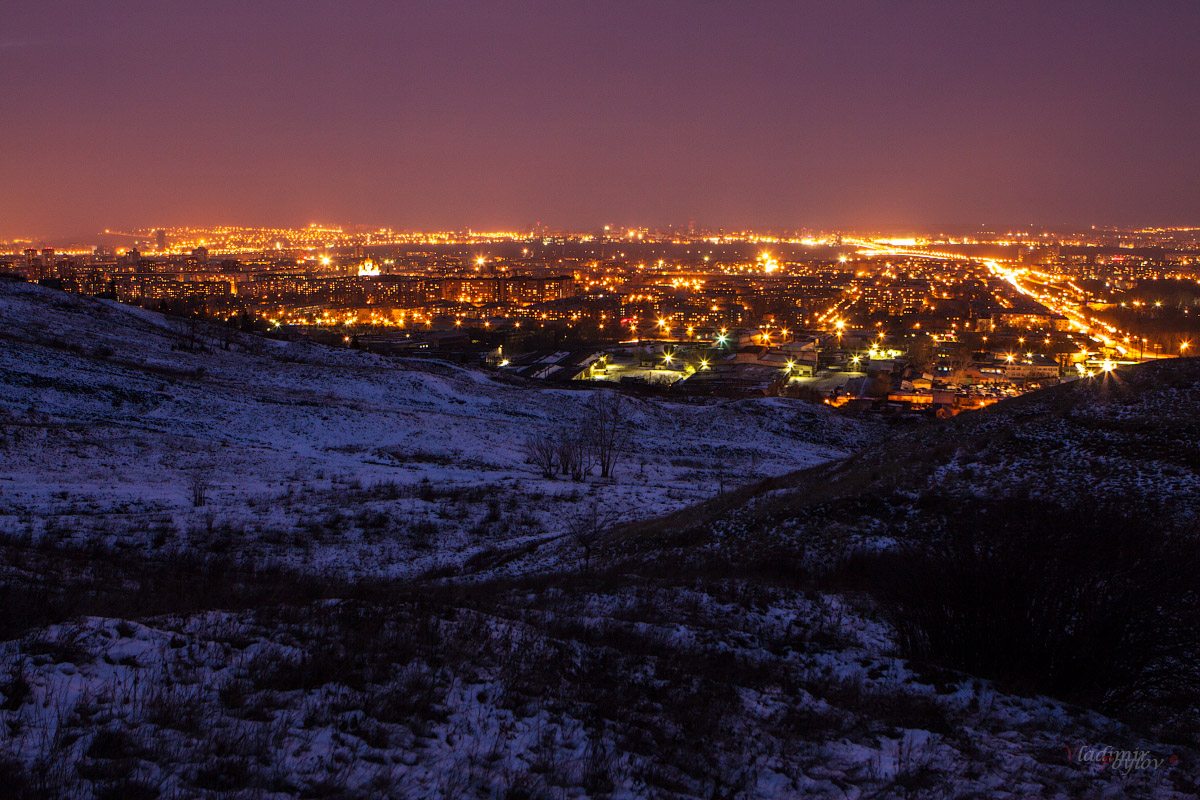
(1046, 289)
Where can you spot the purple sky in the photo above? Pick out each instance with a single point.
(451, 114)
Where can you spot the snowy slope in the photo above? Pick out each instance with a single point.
(1129, 439)
(627, 693)
(370, 463)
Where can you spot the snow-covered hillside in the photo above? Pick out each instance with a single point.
(378, 597)
(626, 694)
(1127, 440)
(114, 417)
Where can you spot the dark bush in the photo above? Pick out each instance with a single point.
(112, 744)
(1094, 603)
(15, 688)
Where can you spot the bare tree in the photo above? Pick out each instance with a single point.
(567, 453)
(541, 450)
(226, 335)
(575, 455)
(717, 466)
(586, 461)
(253, 343)
(188, 332)
(605, 429)
(199, 482)
(587, 526)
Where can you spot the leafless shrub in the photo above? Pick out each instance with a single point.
(226, 335)
(178, 708)
(568, 455)
(587, 526)
(14, 687)
(199, 481)
(599, 767)
(188, 333)
(605, 429)
(576, 457)
(541, 450)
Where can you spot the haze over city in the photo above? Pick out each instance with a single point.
(450, 115)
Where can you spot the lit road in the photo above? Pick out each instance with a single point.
(1046, 289)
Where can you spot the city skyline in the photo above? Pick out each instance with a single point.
(765, 115)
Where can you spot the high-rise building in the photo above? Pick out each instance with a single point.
(161, 240)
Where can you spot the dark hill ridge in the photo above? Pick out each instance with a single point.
(1128, 440)
(1050, 542)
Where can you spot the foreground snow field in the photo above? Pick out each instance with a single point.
(607, 698)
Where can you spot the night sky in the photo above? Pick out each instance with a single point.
(496, 115)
